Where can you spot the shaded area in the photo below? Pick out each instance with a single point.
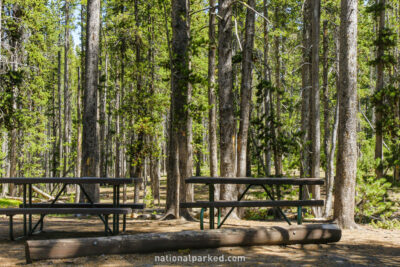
(363, 247)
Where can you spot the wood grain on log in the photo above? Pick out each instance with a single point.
(156, 242)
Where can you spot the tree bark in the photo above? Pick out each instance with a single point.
(180, 123)
(67, 104)
(267, 97)
(79, 134)
(379, 88)
(212, 113)
(277, 128)
(305, 170)
(246, 90)
(159, 242)
(327, 109)
(226, 99)
(60, 124)
(346, 166)
(315, 105)
(90, 149)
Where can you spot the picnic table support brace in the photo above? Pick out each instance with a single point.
(230, 211)
(279, 209)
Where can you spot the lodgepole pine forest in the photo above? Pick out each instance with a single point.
(168, 89)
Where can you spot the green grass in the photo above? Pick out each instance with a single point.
(7, 203)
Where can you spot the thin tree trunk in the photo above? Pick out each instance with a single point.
(212, 113)
(277, 128)
(327, 109)
(90, 149)
(245, 97)
(246, 91)
(315, 105)
(60, 124)
(67, 105)
(267, 97)
(79, 135)
(330, 175)
(379, 87)
(346, 166)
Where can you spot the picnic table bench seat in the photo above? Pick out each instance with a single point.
(11, 212)
(251, 203)
(132, 206)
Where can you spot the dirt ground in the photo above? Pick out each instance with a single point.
(363, 247)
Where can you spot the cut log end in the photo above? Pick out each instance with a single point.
(157, 242)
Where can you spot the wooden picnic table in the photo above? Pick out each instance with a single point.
(250, 182)
(28, 208)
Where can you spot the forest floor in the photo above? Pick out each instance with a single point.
(366, 246)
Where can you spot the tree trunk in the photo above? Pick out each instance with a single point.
(346, 166)
(212, 113)
(67, 105)
(327, 109)
(277, 128)
(305, 169)
(226, 99)
(60, 124)
(246, 90)
(90, 149)
(315, 121)
(179, 153)
(267, 98)
(79, 135)
(379, 87)
(245, 97)
(330, 175)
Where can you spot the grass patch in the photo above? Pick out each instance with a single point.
(9, 203)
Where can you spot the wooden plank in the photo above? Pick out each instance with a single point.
(259, 203)
(159, 242)
(85, 205)
(255, 181)
(69, 180)
(14, 211)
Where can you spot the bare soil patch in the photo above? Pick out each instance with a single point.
(362, 247)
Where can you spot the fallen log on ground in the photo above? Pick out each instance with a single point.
(156, 242)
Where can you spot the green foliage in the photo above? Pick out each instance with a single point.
(9, 203)
(148, 198)
(372, 199)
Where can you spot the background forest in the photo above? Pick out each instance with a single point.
(283, 102)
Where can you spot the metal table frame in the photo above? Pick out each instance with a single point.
(27, 199)
(249, 182)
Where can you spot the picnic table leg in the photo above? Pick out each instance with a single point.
(230, 211)
(299, 213)
(40, 222)
(106, 224)
(11, 228)
(114, 205)
(211, 192)
(30, 205)
(118, 191)
(24, 206)
(202, 218)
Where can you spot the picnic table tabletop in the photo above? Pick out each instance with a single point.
(69, 180)
(254, 181)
